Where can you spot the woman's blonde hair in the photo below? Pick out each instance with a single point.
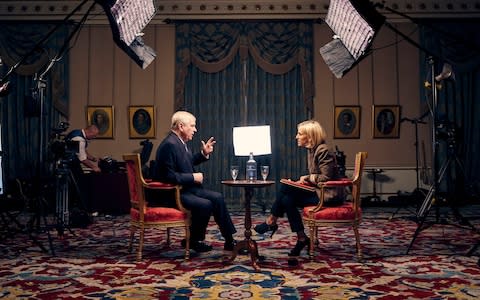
(315, 133)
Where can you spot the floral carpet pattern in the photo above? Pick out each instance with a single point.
(94, 263)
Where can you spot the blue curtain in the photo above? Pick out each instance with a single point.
(455, 42)
(243, 75)
(25, 134)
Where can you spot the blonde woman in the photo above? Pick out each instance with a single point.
(322, 167)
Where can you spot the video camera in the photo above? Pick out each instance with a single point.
(61, 148)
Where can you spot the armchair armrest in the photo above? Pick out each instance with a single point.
(158, 185)
(344, 182)
(337, 183)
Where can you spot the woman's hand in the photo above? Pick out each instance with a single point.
(303, 179)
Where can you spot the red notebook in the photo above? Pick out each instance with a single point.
(307, 187)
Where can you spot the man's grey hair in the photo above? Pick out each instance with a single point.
(181, 116)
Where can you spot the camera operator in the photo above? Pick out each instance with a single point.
(83, 136)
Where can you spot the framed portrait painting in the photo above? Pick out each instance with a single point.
(141, 122)
(386, 121)
(102, 117)
(347, 122)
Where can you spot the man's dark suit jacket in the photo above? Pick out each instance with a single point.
(174, 164)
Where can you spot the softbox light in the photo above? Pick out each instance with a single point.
(355, 24)
(252, 139)
(127, 19)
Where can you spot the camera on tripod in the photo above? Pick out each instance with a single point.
(64, 151)
(447, 132)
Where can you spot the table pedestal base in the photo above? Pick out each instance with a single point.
(250, 246)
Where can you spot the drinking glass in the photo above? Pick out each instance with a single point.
(264, 171)
(234, 172)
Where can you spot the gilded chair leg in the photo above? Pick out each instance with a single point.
(140, 244)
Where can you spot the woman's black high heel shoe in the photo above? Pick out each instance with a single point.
(264, 227)
(299, 247)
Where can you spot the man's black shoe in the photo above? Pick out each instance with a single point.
(198, 246)
(229, 245)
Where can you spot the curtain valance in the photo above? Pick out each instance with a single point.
(277, 47)
(17, 40)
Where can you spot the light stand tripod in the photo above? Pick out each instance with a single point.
(433, 193)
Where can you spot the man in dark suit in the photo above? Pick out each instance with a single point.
(175, 164)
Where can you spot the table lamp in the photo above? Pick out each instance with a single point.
(250, 141)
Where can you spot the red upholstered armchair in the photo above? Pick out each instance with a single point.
(142, 216)
(348, 214)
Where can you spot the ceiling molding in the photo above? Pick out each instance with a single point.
(168, 10)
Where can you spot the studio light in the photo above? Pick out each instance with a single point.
(447, 72)
(250, 141)
(355, 24)
(127, 20)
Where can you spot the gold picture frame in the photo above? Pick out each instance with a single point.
(141, 121)
(386, 121)
(347, 122)
(102, 117)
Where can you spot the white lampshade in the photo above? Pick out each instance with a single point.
(252, 139)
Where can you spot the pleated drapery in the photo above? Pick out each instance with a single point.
(248, 73)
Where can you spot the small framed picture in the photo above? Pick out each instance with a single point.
(142, 122)
(347, 122)
(386, 121)
(102, 117)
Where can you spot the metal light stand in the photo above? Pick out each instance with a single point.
(422, 212)
(431, 196)
(62, 175)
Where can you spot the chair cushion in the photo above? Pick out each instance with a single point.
(344, 212)
(159, 214)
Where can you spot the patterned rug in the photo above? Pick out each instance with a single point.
(94, 263)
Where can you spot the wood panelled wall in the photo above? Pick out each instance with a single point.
(102, 74)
